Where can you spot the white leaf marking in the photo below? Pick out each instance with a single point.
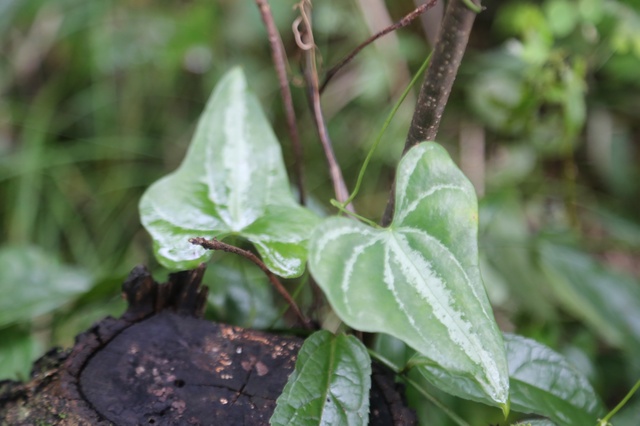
(335, 234)
(452, 258)
(348, 270)
(404, 211)
(390, 283)
(284, 263)
(434, 291)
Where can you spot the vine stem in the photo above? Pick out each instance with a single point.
(406, 20)
(453, 416)
(304, 40)
(342, 209)
(605, 420)
(386, 124)
(441, 73)
(279, 61)
(402, 372)
(214, 244)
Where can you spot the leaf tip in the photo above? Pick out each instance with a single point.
(506, 407)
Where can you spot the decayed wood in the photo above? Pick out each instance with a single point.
(162, 364)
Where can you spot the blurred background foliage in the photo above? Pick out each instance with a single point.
(100, 98)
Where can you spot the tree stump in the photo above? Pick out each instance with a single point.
(162, 364)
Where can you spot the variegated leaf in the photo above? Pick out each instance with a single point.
(232, 182)
(542, 382)
(418, 280)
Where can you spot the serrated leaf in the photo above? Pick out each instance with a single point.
(33, 283)
(419, 279)
(329, 386)
(231, 182)
(542, 382)
(607, 301)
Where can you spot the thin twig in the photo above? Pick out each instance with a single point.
(435, 401)
(304, 38)
(214, 244)
(436, 88)
(279, 61)
(406, 20)
(386, 123)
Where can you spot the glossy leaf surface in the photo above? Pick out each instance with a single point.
(419, 279)
(542, 382)
(231, 182)
(329, 386)
(240, 293)
(33, 284)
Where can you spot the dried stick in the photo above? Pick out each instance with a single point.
(279, 61)
(406, 20)
(434, 93)
(304, 40)
(214, 244)
(436, 88)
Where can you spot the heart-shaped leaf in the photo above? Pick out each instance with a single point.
(329, 386)
(542, 382)
(231, 182)
(419, 279)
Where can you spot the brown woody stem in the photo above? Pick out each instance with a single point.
(303, 33)
(214, 244)
(436, 88)
(406, 20)
(279, 61)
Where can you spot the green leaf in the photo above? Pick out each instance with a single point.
(419, 279)
(608, 301)
(506, 242)
(33, 283)
(231, 182)
(82, 316)
(330, 384)
(541, 382)
(240, 293)
(562, 16)
(18, 350)
(393, 350)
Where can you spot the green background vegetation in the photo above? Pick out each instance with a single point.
(100, 98)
